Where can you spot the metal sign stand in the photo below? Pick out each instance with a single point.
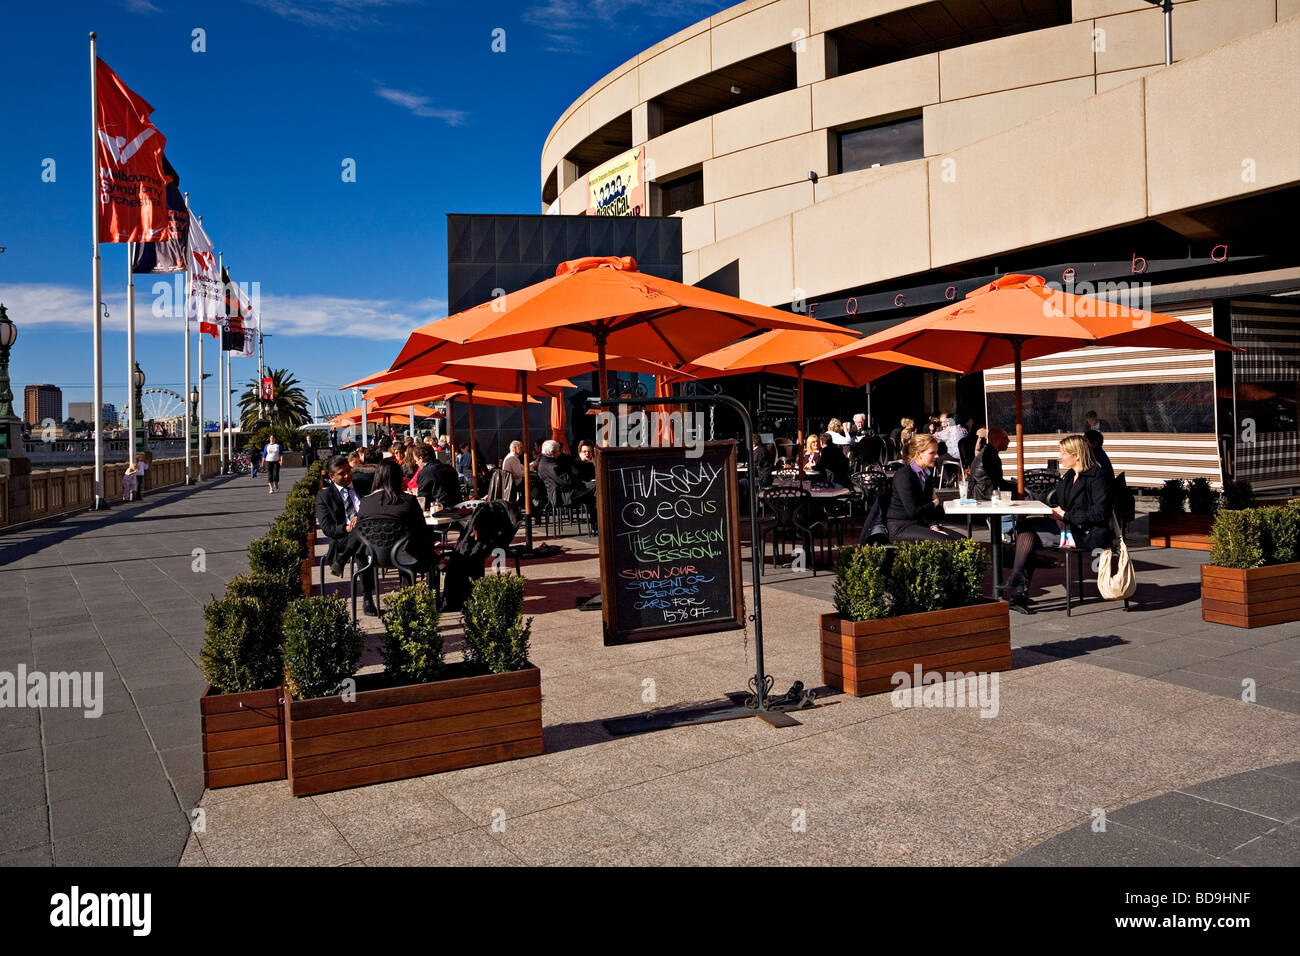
(758, 702)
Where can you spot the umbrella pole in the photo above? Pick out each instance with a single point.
(528, 493)
(798, 373)
(473, 453)
(1016, 344)
(602, 379)
(451, 430)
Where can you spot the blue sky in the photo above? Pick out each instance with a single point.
(258, 127)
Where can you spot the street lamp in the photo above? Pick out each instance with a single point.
(137, 426)
(194, 430)
(10, 426)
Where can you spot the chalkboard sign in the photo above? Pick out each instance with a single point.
(669, 542)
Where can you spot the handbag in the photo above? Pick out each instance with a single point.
(1123, 582)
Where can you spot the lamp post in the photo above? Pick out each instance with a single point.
(138, 442)
(1168, 7)
(193, 448)
(11, 436)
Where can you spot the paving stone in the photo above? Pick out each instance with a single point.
(1277, 847)
(1117, 846)
(1268, 795)
(1199, 824)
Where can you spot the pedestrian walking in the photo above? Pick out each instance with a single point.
(271, 455)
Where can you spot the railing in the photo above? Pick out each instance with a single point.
(58, 490)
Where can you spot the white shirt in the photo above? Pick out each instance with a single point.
(273, 451)
(351, 503)
(841, 439)
(950, 436)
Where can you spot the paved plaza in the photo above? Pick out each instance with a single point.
(1120, 738)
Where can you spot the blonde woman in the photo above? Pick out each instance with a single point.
(838, 431)
(809, 460)
(1080, 519)
(129, 479)
(914, 513)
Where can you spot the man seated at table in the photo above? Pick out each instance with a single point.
(436, 481)
(556, 470)
(833, 461)
(337, 506)
(1095, 441)
(513, 463)
(986, 470)
(951, 434)
(914, 511)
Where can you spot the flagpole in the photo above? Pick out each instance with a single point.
(131, 446)
(221, 402)
(189, 475)
(98, 324)
(203, 385)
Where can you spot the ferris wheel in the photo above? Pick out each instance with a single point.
(161, 405)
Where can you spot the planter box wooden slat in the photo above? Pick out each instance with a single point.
(304, 730)
(861, 657)
(1251, 598)
(243, 737)
(1185, 531)
(390, 733)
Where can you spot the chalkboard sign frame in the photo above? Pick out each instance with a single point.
(614, 457)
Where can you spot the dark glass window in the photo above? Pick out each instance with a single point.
(1272, 405)
(1157, 408)
(685, 192)
(881, 145)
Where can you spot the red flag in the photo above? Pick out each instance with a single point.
(209, 328)
(132, 185)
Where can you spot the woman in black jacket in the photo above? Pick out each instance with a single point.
(914, 513)
(1083, 505)
(390, 500)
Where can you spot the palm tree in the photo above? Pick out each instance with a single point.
(286, 406)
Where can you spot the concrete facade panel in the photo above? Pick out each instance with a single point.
(1042, 56)
(1087, 9)
(766, 261)
(1206, 24)
(1244, 124)
(1287, 9)
(573, 201)
(763, 121)
(684, 147)
(874, 232)
(619, 97)
(675, 66)
(759, 30)
(829, 14)
(763, 167)
(1108, 81)
(745, 212)
(891, 88)
(829, 186)
(957, 123)
(573, 132)
(1061, 175)
(697, 227)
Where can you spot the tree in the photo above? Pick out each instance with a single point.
(286, 406)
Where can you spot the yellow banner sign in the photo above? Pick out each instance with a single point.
(617, 188)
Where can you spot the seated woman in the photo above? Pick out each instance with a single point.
(1082, 507)
(390, 500)
(834, 464)
(914, 511)
(810, 457)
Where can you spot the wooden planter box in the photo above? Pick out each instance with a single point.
(1186, 531)
(243, 737)
(308, 568)
(1253, 598)
(860, 657)
(391, 733)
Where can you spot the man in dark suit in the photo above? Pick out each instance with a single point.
(986, 470)
(557, 472)
(833, 461)
(436, 481)
(337, 507)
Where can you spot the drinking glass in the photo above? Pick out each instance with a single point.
(962, 487)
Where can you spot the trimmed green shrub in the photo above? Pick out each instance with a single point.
(412, 648)
(1238, 495)
(279, 558)
(1200, 497)
(923, 576)
(241, 645)
(321, 646)
(496, 635)
(1237, 539)
(1172, 495)
(265, 589)
(860, 583)
(1281, 534)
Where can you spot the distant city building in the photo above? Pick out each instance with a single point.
(110, 413)
(82, 412)
(41, 402)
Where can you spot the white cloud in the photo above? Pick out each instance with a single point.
(141, 6)
(44, 306)
(336, 14)
(419, 105)
(565, 21)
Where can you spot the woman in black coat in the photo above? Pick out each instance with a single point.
(1083, 506)
(914, 512)
(390, 500)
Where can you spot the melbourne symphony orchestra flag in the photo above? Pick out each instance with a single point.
(168, 254)
(132, 184)
(206, 302)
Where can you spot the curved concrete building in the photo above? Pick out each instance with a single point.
(870, 159)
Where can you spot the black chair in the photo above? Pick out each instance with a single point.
(1122, 509)
(791, 521)
(562, 509)
(383, 542)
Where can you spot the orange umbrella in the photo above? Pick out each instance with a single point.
(557, 418)
(601, 300)
(1017, 317)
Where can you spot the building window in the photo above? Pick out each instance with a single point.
(1161, 408)
(880, 145)
(685, 192)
